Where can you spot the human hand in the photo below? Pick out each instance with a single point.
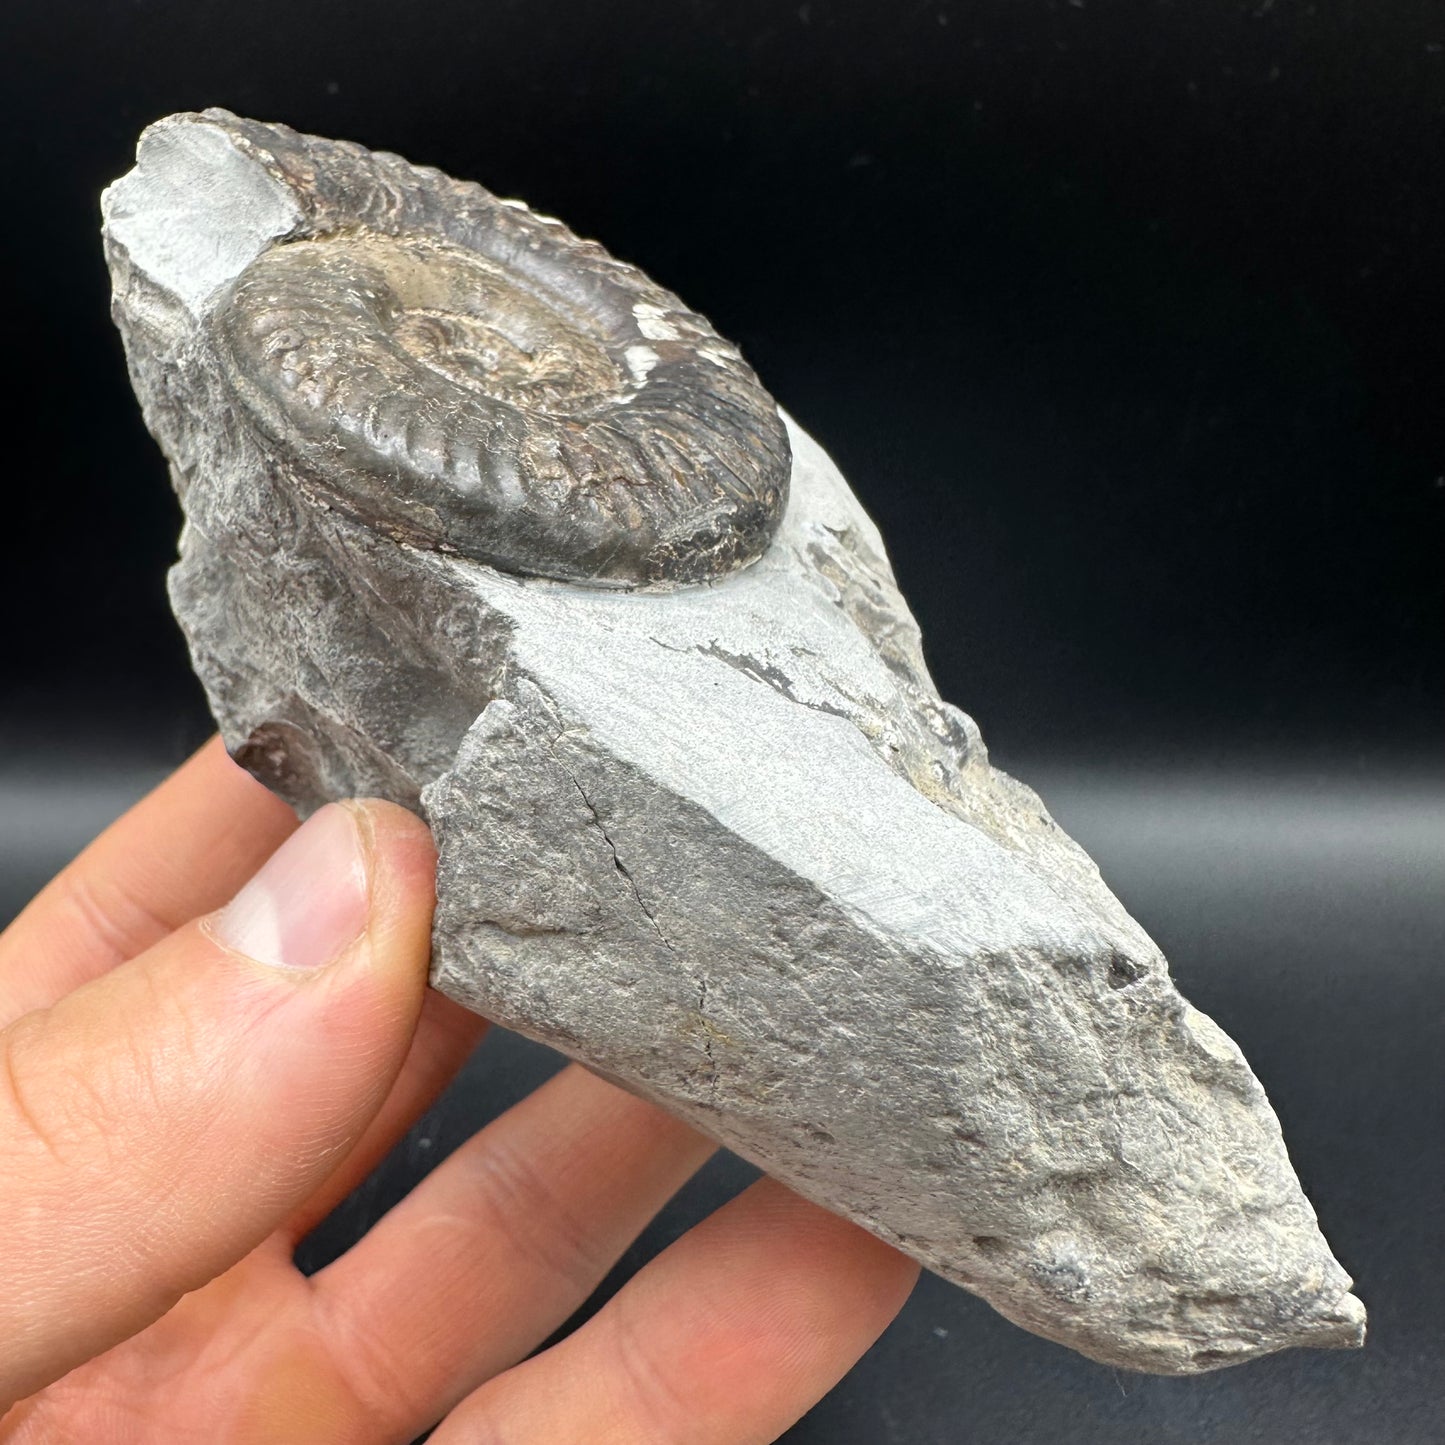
(187, 1089)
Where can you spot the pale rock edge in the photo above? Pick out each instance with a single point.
(727, 847)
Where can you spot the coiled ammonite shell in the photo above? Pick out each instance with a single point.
(472, 377)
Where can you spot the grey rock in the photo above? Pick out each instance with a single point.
(723, 843)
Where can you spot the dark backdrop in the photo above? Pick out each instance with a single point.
(1126, 319)
(1127, 322)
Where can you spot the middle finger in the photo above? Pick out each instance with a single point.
(497, 1247)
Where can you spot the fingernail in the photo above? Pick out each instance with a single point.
(308, 904)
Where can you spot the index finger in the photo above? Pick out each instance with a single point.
(183, 850)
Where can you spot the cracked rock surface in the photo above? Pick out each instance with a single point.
(723, 843)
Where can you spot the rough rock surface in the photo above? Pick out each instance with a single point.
(726, 845)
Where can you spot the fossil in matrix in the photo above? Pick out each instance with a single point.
(484, 521)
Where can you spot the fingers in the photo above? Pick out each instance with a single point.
(180, 852)
(160, 1121)
(727, 1337)
(499, 1246)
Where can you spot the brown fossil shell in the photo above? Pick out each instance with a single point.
(471, 376)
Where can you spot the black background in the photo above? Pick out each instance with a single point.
(1126, 321)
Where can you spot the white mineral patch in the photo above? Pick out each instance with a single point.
(640, 361)
(652, 322)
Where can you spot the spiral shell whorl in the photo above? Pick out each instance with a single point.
(468, 375)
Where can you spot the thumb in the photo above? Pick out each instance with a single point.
(159, 1122)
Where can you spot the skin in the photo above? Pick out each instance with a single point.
(176, 1115)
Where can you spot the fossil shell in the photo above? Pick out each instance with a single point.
(471, 376)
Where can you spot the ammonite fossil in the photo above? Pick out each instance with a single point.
(482, 521)
(471, 375)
